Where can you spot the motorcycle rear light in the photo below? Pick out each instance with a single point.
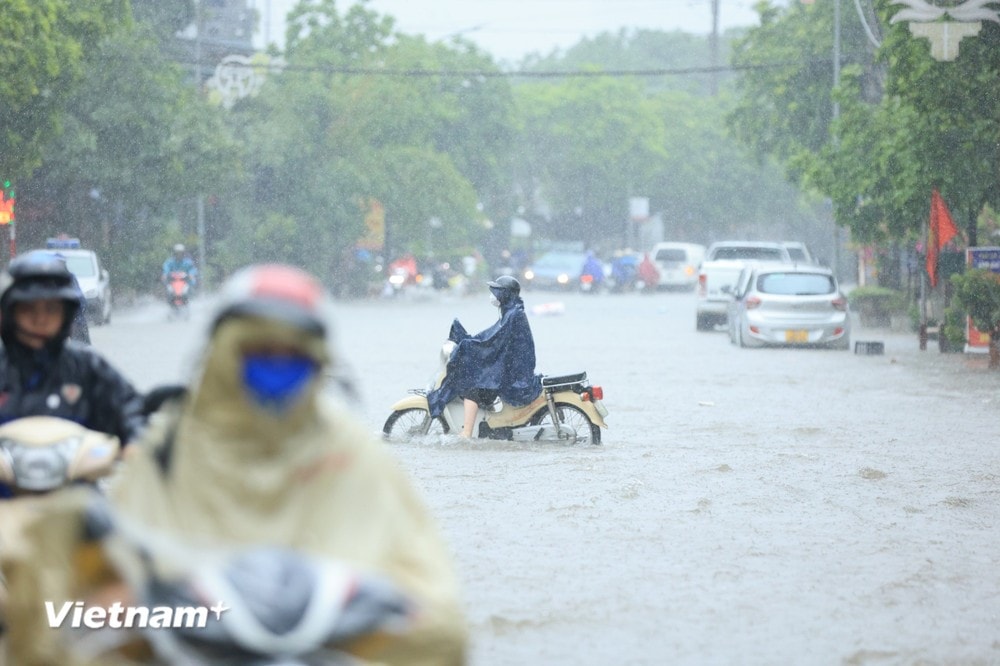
(597, 392)
(839, 303)
(702, 285)
(752, 302)
(586, 279)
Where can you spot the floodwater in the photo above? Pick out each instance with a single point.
(775, 506)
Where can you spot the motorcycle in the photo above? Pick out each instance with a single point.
(568, 410)
(246, 606)
(178, 294)
(39, 454)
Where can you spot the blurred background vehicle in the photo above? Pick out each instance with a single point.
(780, 304)
(718, 274)
(558, 269)
(678, 264)
(799, 252)
(94, 279)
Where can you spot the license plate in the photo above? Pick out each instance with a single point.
(601, 409)
(796, 336)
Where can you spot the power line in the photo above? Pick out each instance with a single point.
(489, 73)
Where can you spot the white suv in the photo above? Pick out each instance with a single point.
(94, 279)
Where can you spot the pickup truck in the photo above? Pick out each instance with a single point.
(715, 289)
(718, 274)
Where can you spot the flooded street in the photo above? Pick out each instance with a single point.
(746, 506)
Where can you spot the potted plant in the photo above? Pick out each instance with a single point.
(977, 291)
(952, 335)
(876, 305)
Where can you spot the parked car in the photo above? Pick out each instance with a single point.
(557, 270)
(748, 250)
(718, 274)
(678, 264)
(94, 279)
(799, 252)
(788, 305)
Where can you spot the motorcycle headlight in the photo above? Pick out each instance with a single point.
(40, 469)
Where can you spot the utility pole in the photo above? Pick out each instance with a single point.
(713, 46)
(200, 198)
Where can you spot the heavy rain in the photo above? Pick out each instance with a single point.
(829, 498)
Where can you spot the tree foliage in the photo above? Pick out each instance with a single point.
(139, 145)
(43, 48)
(324, 142)
(908, 123)
(589, 144)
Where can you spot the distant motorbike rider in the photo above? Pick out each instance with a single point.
(42, 372)
(497, 362)
(180, 262)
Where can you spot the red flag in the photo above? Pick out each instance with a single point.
(942, 230)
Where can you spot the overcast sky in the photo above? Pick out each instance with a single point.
(510, 29)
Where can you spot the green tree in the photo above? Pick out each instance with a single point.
(138, 145)
(589, 144)
(43, 46)
(356, 117)
(908, 123)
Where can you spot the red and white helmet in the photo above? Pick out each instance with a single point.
(274, 291)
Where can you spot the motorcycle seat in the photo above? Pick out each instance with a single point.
(560, 380)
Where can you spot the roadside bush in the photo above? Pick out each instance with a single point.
(876, 305)
(977, 291)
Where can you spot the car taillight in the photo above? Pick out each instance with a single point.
(702, 285)
(593, 393)
(752, 302)
(839, 303)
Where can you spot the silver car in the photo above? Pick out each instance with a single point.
(788, 305)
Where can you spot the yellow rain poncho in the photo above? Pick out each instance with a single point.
(216, 468)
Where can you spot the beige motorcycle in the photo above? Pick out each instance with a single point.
(569, 410)
(39, 455)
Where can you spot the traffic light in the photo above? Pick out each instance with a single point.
(6, 203)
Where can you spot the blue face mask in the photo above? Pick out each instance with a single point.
(275, 382)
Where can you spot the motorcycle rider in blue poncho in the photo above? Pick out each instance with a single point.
(498, 362)
(180, 262)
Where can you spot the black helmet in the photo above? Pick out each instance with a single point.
(274, 291)
(505, 285)
(36, 276)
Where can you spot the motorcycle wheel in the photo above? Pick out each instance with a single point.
(586, 431)
(405, 424)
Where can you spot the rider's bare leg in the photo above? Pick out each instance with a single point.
(471, 407)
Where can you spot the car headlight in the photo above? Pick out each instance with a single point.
(40, 468)
(91, 293)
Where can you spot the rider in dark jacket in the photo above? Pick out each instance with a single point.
(42, 373)
(499, 361)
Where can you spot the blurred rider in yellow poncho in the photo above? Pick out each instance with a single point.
(252, 454)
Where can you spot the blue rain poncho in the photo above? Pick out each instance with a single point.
(500, 358)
